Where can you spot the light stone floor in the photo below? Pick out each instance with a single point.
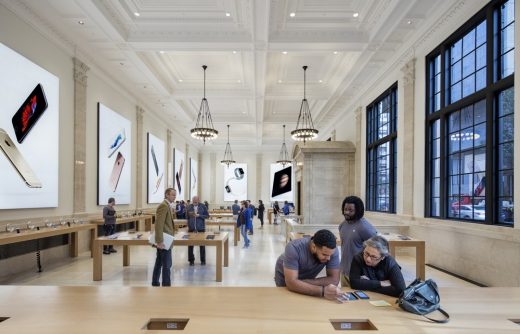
(247, 267)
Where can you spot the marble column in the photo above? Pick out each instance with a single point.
(405, 140)
(139, 157)
(80, 135)
(169, 158)
(358, 175)
(213, 173)
(259, 177)
(187, 179)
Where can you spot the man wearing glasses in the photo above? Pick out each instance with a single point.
(375, 270)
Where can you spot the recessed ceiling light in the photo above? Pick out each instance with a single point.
(320, 81)
(279, 81)
(81, 22)
(335, 52)
(234, 52)
(180, 80)
(243, 112)
(161, 52)
(409, 22)
(284, 52)
(356, 14)
(292, 14)
(137, 14)
(228, 14)
(239, 81)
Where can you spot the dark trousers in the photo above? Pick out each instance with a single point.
(261, 217)
(109, 230)
(163, 264)
(191, 256)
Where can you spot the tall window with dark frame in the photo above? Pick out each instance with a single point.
(382, 152)
(469, 123)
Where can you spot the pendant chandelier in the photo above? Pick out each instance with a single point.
(228, 155)
(284, 155)
(304, 128)
(204, 129)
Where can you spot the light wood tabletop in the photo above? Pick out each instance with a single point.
(127, 239)
(230, 310)
(147, 218)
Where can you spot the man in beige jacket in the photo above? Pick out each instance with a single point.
(164, 224)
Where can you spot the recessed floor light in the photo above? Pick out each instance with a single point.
(137, 14)
(356, 14)
(292, 14)
(81, 22)
(228, 14)
(320, 81)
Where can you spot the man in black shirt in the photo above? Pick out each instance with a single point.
(109, 215)
(375, 270)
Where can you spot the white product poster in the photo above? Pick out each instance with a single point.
(194, 174)
(179, 167)
(29, 131)
(156, 177)
(235, 182)
(282, 183)
(114, 156)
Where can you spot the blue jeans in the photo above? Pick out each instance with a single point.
(163, 263)
(243, 231)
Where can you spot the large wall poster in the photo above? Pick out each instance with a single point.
(114, 156)
(156, 177)
(194, 174)
(29, 133)
(179, 165)
(235, 182)
(282, 183)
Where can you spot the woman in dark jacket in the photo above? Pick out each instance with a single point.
(276, 212)
(261, 209)
(375, 270)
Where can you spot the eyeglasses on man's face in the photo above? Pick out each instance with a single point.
(371, 256)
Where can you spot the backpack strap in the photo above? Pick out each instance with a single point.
(442, 321)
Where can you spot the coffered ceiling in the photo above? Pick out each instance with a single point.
(254, 50)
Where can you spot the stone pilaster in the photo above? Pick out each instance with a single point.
(259, 177)
(405, 150)
(169, 158)
(213, 173)
(139, 156)
(358, 175)
(187, 179)
(80, 134)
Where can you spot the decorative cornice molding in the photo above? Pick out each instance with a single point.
(80, 71)
(409, 72)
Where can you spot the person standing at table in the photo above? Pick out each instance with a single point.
(261, 209)
(164, 224)
(353, 231)
(298, 267)
(276, 212)
(109, 226)
(243, 221)
(236, 209)
(197, 215)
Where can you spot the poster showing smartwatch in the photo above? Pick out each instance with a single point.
(235, 182)
(156, 177)
(29, 133)
(178, 173)
(282, 184)
(194, 170)
(114, 156)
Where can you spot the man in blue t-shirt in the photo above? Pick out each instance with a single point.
(304, 259)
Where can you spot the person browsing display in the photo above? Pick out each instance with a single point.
(164, 224)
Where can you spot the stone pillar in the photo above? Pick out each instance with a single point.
(359, 176)
(405, 140)
(259, 177)
(80, 134)
(139, 174)
(327, 170)
(213, 173)
(187, 179)
(169, 158)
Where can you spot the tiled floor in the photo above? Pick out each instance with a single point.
(247, 267)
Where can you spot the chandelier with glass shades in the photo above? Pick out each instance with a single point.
(204, 129)
(305, 127)
(284, 155)
(228, 155)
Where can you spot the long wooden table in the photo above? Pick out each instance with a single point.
(244, 310)
(44, 232)
(127, 239)
(216, 222)
(394, 240)
(137, 219)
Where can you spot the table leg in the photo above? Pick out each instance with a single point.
(74, 244)
(126, 256)
(148, 225)
(226, 252)
(219, 261)
(235, 236)
(97, 271)
(420, 261)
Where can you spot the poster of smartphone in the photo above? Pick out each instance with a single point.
(29, 117)
(282, 183)
(114, 156)
(194, 172)
(178, 173)
(156, 167)
(235, 182)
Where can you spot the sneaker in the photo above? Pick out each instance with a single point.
(111, 250)
(192, 264)
(203, 263)
(106, 252)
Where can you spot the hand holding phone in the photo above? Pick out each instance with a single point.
(347, 296)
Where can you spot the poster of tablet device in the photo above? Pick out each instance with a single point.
(235, 182)
(114, 156)
(194, 170)
(156, 178)
(178, 173)
(282, 184)
(29, 133)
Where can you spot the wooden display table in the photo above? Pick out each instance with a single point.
(270, 215)
(216, 222)
(127, 239)
(44, 232)
(394, 240)
(137, 219)
(220, 215)
(241, 310)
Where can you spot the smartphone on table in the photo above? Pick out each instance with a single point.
(361, 295)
